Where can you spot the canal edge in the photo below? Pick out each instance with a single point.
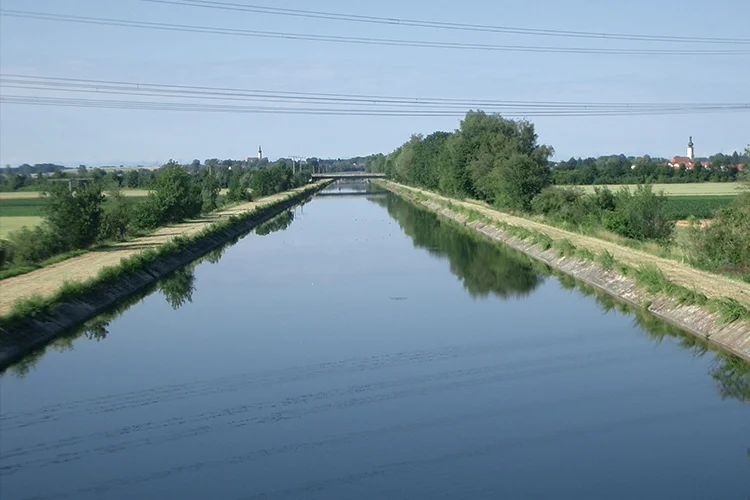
(696, 320)
(27, 334)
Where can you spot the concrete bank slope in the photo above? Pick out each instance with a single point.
(694, 319)
(27, 334)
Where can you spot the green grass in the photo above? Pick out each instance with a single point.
(35, 207)
(10, 224)
(694, 189)
(23, 207)
(700, 207)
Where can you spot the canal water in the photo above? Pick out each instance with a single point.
(358, 347)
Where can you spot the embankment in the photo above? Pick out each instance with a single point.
(697, 319)
(20, 336)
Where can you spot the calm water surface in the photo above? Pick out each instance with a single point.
(358, 347)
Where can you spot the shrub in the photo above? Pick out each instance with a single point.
(117, 218)
(565, 204)
(29, 246)
(640, 215)
(725, 244)
(147, 214)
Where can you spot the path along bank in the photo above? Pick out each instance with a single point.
(700, 303)
(96, 281)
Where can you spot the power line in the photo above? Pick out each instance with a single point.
(312, 14)
(364, 40)
(79, 85)
(214, 108)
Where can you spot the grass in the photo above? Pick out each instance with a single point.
(10, 224)
(695, 189)
(36, 304)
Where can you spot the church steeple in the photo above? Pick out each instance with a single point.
(691, 149)
(260, 153)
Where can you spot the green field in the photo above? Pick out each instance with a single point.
(34, 207)
(700, 207)
(9, 224)
(696, 189)
(22, 207)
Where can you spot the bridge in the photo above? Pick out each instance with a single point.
(347, 175)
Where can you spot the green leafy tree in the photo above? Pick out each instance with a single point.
(175, 195)
(209, 193)
(75, 217)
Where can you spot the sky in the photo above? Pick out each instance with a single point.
(34, 134)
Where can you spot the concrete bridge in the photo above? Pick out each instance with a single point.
(347, 175)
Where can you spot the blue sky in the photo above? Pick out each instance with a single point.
(97, 136)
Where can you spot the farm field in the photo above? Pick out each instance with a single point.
(17, 195)
(700, 207)
(9, 224)
(696, 189)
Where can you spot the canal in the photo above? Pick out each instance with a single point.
(360, 347)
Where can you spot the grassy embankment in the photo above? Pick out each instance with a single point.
(684, 202)
(37, 291)
(728, 297)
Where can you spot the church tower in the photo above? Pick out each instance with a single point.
(260, 153)
(691, 150)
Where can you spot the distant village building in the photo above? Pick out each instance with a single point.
(689, 160)
(250, 160)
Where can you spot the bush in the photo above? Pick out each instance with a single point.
(725, 243)
(565, 204)
(640, 215)
(30, 246)
(146, 214)
(116, 219)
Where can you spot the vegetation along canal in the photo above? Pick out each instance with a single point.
(361, 347)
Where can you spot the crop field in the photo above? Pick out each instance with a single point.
(696, 189)
(10, 224)
(15, 195)
(700, 207)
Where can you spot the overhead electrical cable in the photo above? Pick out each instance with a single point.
(313, 14)
(109, 87)
(365, 40)
(217, 108)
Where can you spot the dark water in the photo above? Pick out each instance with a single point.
(360, 348)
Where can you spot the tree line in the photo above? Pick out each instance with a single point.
(499, 161)
(619, 169)
(79, 215)
(37, 177)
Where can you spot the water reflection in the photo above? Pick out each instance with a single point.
(483, 266)
(278, 223)
(486, 267)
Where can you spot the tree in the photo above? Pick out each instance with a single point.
(75, 217)
(176, 196)
(82, 171)
(209, 193)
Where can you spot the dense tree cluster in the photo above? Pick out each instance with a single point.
(488, 158)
